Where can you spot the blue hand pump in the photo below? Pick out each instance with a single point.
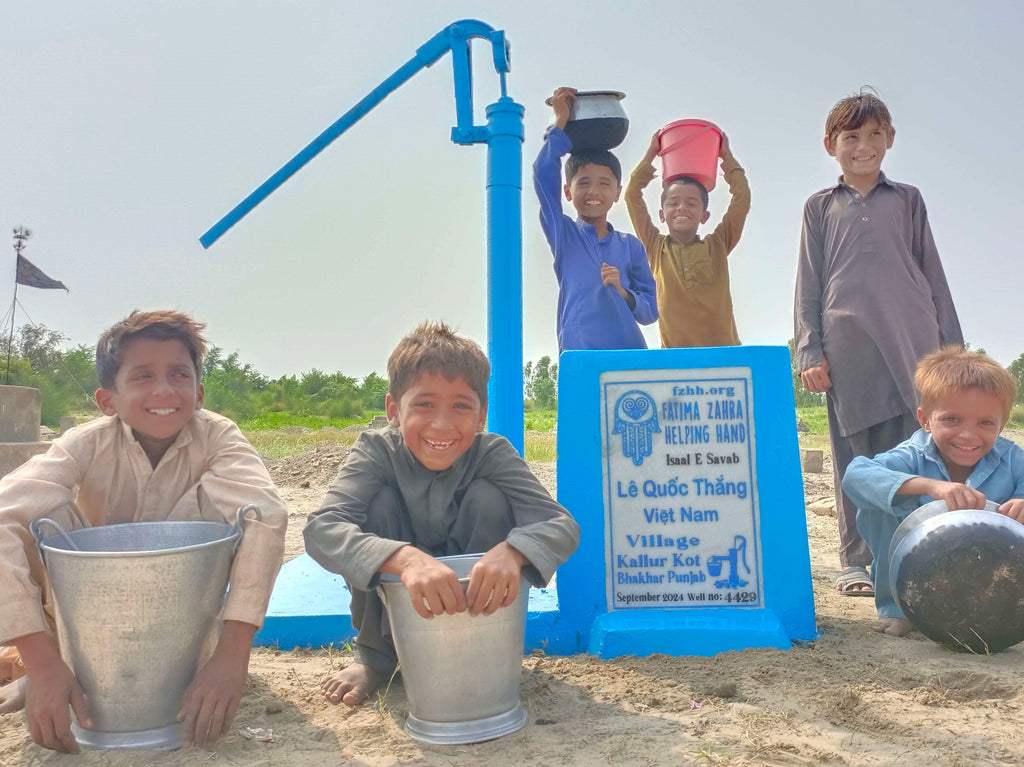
(503, 135)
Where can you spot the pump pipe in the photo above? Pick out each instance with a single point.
(503, 135)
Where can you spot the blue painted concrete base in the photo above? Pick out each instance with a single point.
(310, 607)
(693, 632)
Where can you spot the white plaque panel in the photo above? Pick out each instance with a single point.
(680, 489)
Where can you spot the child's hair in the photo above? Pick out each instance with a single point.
(954, 369)
(596, 156)
(853, 111)
(691, 182)
(434, 348)
(159, 326)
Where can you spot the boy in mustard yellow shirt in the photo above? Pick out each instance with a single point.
(691, 273)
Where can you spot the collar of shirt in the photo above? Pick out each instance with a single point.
(183, 438)
(882, 179)
(588, 230)
(982, 469)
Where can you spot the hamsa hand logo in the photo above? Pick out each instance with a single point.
(636, 418)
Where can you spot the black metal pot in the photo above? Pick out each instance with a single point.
(598, 120)
(958, 576)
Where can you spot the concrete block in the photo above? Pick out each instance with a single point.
(20, 410)
(13, 454)
(812, 461)
(68, 422)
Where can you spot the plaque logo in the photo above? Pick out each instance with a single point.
(636, 418)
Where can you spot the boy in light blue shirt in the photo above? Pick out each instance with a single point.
(957, 456)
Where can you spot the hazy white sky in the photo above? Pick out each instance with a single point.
(130, 128)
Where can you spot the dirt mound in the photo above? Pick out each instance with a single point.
(313, 468)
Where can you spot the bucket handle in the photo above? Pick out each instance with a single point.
(36, 525)
(242, 514)
(686, 140)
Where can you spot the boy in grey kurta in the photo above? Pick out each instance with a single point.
(871, 300)
(432, 484)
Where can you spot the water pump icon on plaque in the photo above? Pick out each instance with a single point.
(680, 489)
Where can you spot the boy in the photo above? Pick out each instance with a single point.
(692, 274)
(605, 286)
(871, 300)
(154, 456)
(431, 484)
(957, 456)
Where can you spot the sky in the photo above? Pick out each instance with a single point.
(130, 128)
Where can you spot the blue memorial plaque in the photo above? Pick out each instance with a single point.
(682, 467)
(681, 509)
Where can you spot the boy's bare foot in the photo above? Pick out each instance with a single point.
(352, 685)
(897, 627)
(12, 696)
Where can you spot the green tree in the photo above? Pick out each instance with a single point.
(372, 391)
(540, 383)
(1016, 369)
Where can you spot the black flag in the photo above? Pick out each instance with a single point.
(31, 275)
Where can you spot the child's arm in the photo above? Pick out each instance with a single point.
(235, 476)
(547, 170)
(956, 495)
(211, 701)
(730, 228)
(927, 256)
(641, 176)
(809, 355)
(51, 688)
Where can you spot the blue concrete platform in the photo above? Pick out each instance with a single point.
(310, 607)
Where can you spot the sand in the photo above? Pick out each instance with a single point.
(852, 697)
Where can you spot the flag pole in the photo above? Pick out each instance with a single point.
(20, 235)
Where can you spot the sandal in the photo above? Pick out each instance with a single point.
(854, 581)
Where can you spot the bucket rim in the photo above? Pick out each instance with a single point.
(232, 534)
(550, 100)
(690, 121)
(451, 558)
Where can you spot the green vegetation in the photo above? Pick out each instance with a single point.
(540, 384)
(815, 417)
(539, 420)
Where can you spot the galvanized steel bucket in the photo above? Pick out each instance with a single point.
(461, 672)
(137, 609)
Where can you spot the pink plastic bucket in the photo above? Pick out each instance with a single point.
(690, 148)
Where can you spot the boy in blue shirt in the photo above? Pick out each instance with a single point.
(605, 285)
(957, 456)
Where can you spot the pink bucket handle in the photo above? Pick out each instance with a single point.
(687, 140)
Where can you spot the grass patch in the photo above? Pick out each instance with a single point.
(540, 420)
(281, 420)
(1016, 420)
(816, 418)
(540, 447)
(278, 443)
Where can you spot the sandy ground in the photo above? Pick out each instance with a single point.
(852, 697)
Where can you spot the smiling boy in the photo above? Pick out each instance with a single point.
(605, 286)
(692, 273)
(433, 483)
(957, 456)
(871, 300)
(155, 456)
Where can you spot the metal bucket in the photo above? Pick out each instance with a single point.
(958, 576)
(461, 672)
(137, 607)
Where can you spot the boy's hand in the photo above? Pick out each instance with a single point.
(47, 695)
(50, 687)
(1014, 509)
(428, 581)
(562, 102)
(725, 152)
(654, 148)
(610, 276)
(211, 701)
(816, 379)
(494, 580)
(956, 495)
